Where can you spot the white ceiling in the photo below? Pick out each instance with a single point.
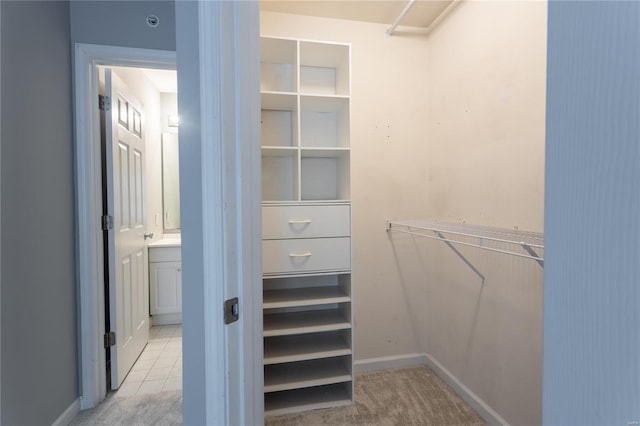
(421, 14)
(166, 81)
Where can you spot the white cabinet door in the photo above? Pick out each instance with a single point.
(166, 287)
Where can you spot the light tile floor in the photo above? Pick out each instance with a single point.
(159, 367)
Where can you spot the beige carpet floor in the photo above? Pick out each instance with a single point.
(407, 396)
(161, 409)
(402, 397)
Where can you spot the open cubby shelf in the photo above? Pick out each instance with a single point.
(286, 349)
(313, 398)
(288, 323)
(304, 374)
(305, 118)
(287, 298)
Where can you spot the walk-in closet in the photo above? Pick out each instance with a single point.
(403, 199)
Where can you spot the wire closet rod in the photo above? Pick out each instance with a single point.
(495, 231)
(439, 231)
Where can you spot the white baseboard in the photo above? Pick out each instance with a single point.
(481, 407)
(166, 319)
(387, 362)
(69, 414)
(407, 360)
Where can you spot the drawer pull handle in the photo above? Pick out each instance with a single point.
(306, 254)
(299, 222)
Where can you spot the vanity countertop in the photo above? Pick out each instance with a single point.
(169, 240)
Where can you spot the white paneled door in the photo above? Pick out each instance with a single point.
(128, 276)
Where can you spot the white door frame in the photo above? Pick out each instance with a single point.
(89, 254)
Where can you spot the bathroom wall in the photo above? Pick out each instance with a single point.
(169, 106)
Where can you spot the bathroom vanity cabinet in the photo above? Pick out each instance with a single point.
(165, 282)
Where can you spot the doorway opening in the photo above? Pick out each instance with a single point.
(141, 240)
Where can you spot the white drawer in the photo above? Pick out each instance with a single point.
(305, 221)
(306, 255)
(165, 254)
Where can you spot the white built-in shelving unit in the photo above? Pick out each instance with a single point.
(306, 221)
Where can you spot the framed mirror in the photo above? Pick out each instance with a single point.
(170, 183)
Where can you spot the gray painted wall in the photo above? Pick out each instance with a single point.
(123, 23)
(591, 372)
(39, 351)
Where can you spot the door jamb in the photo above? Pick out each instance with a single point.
(89, 249)
(0, 234)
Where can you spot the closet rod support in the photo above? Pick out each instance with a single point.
(461, 256)
(395, 24)
(534, 254)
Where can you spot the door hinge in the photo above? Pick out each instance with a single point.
(231, 310)
(109, 339)
(107, 222)
(104, 103)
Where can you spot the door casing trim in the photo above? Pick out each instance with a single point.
(88, 188)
